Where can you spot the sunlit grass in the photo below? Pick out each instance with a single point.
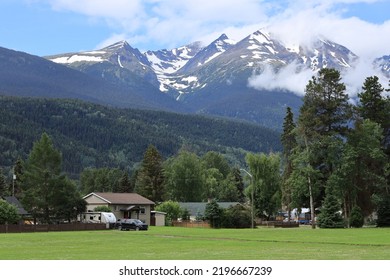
(171, 243)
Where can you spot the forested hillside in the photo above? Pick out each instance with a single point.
(90, 135)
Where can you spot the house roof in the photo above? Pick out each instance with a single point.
(121, 198)
(196, 208)
(14, 201)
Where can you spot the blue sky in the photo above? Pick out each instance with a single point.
(44, 27)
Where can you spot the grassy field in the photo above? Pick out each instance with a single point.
(172, 243)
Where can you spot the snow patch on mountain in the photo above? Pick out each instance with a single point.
(77, 58)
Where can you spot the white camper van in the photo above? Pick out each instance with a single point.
(107, 218)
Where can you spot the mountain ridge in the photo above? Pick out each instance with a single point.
(214, 79)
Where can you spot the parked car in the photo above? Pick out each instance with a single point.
(131, 224)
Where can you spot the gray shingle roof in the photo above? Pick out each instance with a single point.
(14, 201)
(122, 198)
(196, 208)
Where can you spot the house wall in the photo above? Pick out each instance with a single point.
(145, 217)
(93, 201)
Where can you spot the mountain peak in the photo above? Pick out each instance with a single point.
(118, 45)
(223, 37)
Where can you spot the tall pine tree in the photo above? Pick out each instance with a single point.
(323, 120)
(289, 144)
(374, 106)
(47, 193)
(150, 178)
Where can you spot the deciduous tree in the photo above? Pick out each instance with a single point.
(185, 177)
(265, 170)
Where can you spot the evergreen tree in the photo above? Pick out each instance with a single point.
(150, 177)
(42, 173)
(47, 193)
(214, 214)
(239, 184)
(373, 105)
(330, 216)
(289, 144)
(384, 212)
(4, 191)
(100, 180)
(361, 174)
(323, 121)
(125, 185)
(356, 219)
(325, 109)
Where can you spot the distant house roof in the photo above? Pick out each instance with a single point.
(14, 201)
(196, 208)
(121, 198)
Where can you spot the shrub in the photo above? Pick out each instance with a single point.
(237, 216)
(8, 213)
(102, 209)
(356, 219)
(384, 212)
(214, 214)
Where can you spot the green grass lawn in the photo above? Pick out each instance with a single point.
(173, 243)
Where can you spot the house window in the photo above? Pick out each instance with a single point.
(142, 210)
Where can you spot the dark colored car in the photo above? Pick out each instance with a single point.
(131, 224)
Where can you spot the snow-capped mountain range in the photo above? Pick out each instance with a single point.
(213, 76)
(185, 69)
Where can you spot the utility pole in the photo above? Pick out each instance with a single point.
(13, 184)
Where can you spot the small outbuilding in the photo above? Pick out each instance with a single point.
(158, 218)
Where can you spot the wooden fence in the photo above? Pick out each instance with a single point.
(53, 227)
(191, 224)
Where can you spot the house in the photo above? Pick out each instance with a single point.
(197, 209)
(123, 205)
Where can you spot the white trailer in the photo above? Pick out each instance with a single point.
(107, 218)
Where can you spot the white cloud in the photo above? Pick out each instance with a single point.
(355, 77)
(288, 78)
(151, 24)
(113, 9)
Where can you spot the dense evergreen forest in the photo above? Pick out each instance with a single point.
(90, 135)
(334, 157)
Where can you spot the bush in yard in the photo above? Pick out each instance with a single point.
(8, 213)
(330, 216)
(102, 208)
(213, 213)
(356, 219)
(237, 216)
(173, 210)
(384, 212)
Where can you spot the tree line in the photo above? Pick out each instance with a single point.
(334, 161)
(94, 136)
(336, 154)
